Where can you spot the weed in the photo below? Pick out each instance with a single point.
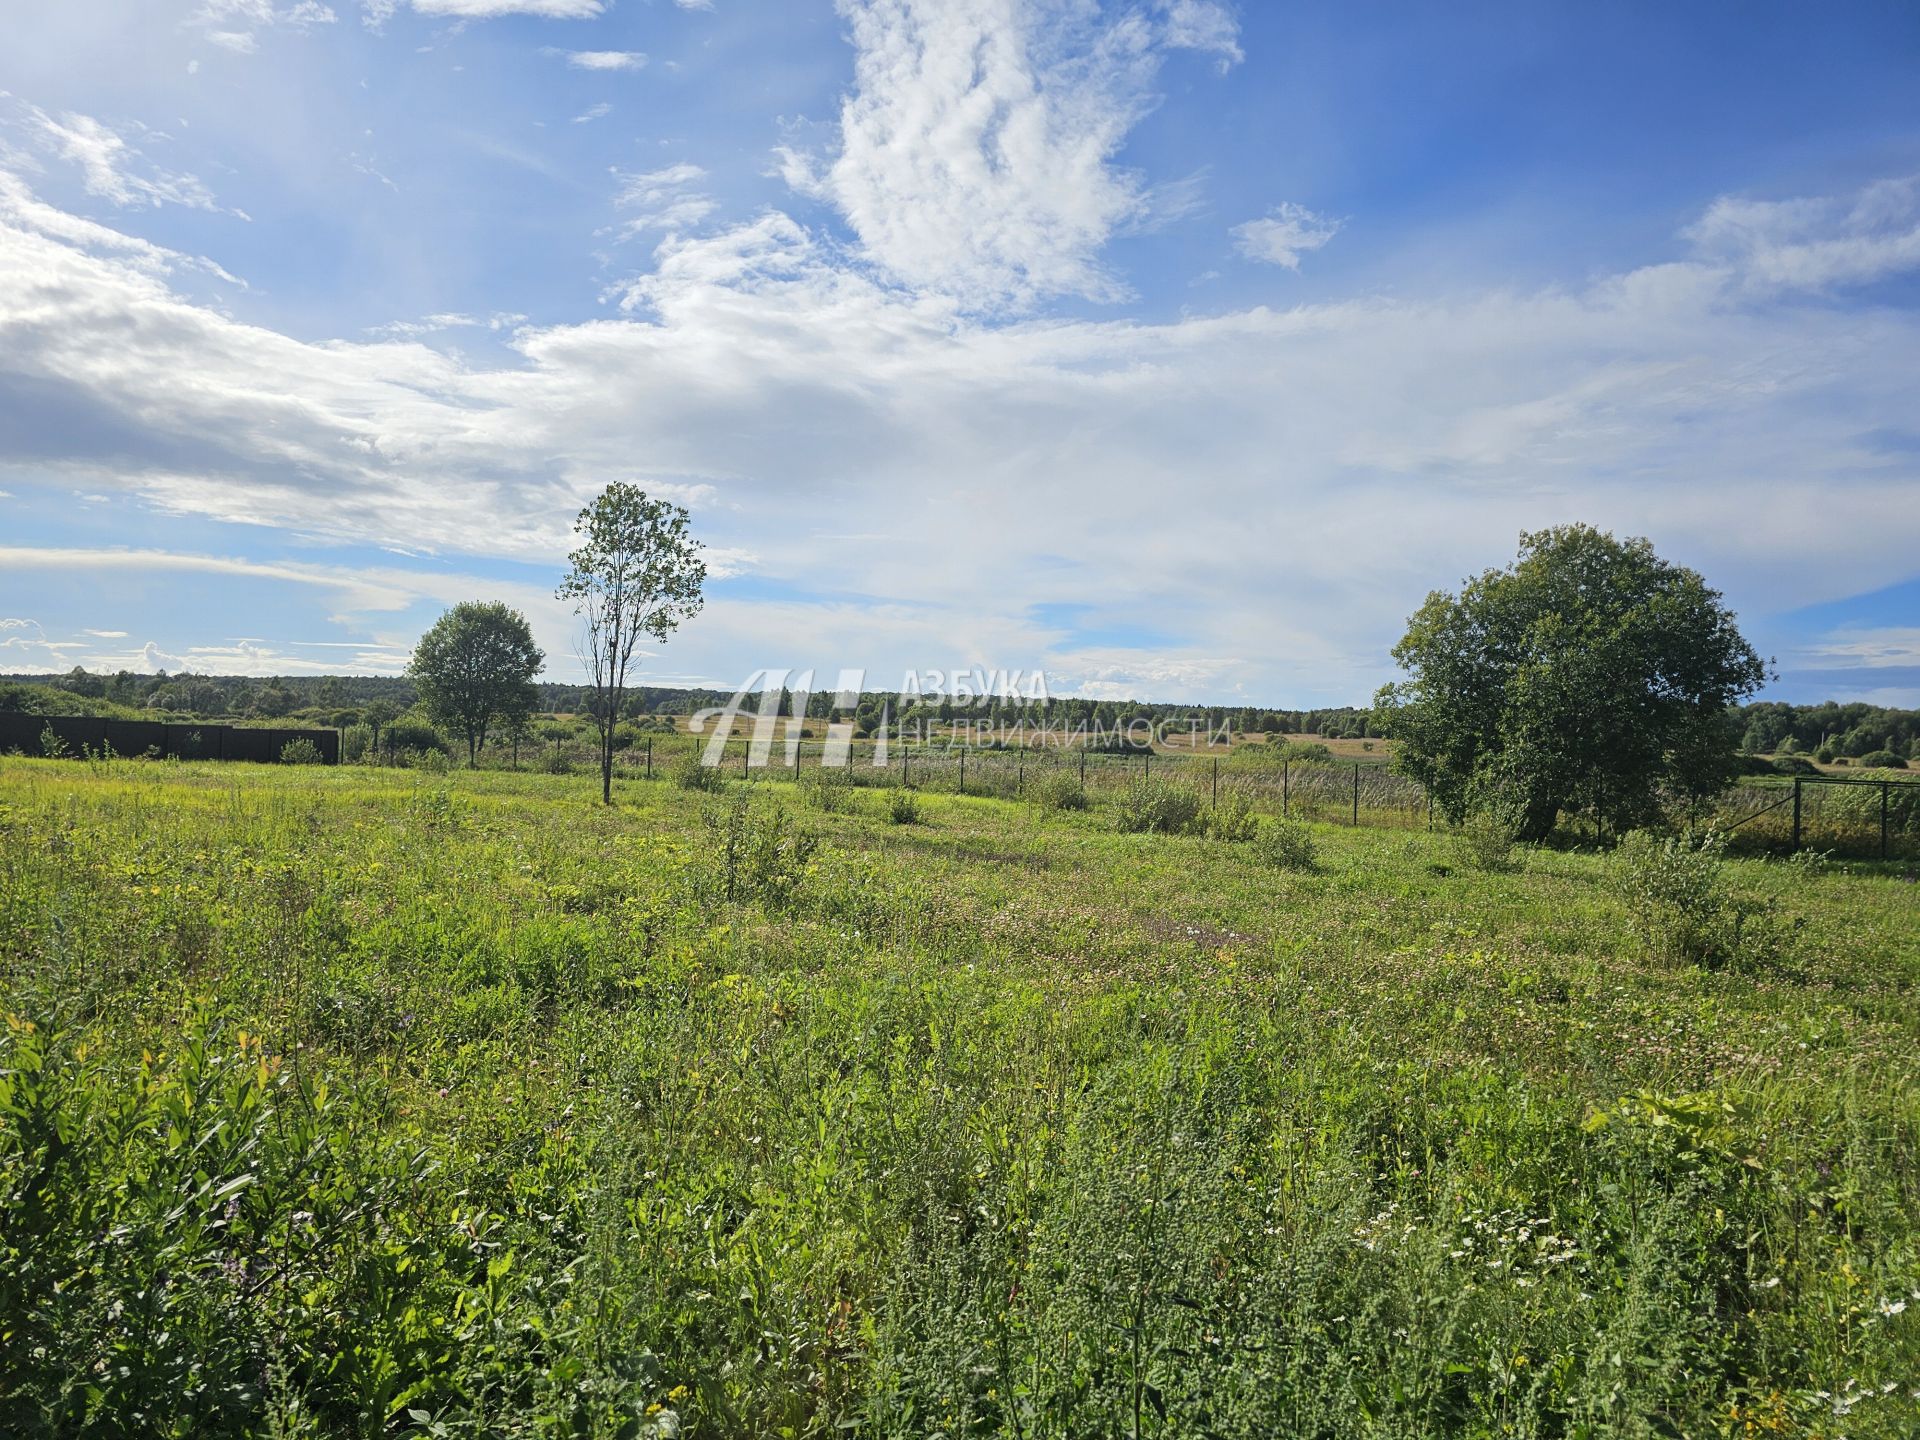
(1158, 807)
(1057, 790)
(1485, 841)
(903, 807)
(1285, 845)
(688, 772)
(1681, 908)
(301, 751)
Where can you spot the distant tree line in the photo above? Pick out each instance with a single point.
(1829, 730)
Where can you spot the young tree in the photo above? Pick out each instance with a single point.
(1592, 677)
(636, 573)
(475, 668)
(376, 714)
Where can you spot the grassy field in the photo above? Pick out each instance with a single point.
(363, 1102)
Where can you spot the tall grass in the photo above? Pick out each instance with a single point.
(374, 1102)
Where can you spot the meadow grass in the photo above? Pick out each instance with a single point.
(356, 1102)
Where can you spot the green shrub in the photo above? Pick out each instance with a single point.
(1286, 845)
(753, 851)
(1232, 818)
(433, 762)
(1882, 760)
(688, 772)
(1485, 841)
(903, 807)
(402, 736)
(555, 762)
(1057, 790)
(1794, 765)
(355, 741)
(829, 788)
(1679, 907)
(1158, 807)
(301, 752)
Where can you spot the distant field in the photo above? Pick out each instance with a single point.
(355, 1101)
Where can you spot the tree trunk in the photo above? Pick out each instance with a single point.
(606, 765)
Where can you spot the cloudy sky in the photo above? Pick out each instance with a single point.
(1176, 347)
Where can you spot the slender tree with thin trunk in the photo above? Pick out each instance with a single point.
(636, 574)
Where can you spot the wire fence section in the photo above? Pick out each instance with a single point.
(1858, 818)
(1873, 819)
(1363, 793)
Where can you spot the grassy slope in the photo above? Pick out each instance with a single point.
(467, 1098)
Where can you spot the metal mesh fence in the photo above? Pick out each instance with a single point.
(1857, 818)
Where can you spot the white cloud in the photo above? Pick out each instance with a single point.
(592, 113)
(976, 149)
(694, 4)
(606, 59)
(1276, 490)
(666, 199)
(1869, 647)
(106, 634)
(494, 9)
(1203, 25)
(1284, 234)
(153, 660)
(1817, 244)
(109, 166)
(235, 24)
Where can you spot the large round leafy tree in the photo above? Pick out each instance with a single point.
(1591, 678)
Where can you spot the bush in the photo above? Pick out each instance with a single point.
(1232, 819)
(688, 773)
(1058, 790)
(1794, 765)
(403, 736)
(301, 752)
(829, 788)
(1485, 840)
(1156, 807)
(433, 762)
(1882, 760)
(355, 741)
(903, 807)
(555, 762)
(754, 852)
(1678, 905)
(1285, 845)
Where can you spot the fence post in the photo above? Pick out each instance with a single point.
(1286, 786)
(1216, 782)
(963, 772)
(1019, 770)
(1796, 812)
(1146, 765)
(1083, 767)
(649, 757)
(1429, 811)
(1885, 789)
(1356, 794)
(906, 768)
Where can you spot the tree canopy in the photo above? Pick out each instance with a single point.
(636, 573)
(475, 669)
(1591, 677)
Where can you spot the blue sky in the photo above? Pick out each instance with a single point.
(1174, 347)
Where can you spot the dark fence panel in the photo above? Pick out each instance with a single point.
(81, 733)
